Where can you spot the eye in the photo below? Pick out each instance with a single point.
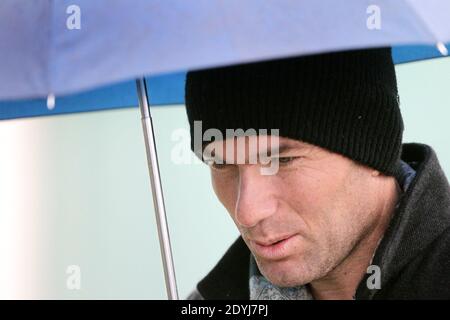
(217, 165)
(286, 161)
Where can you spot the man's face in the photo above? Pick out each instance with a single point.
(319, 204)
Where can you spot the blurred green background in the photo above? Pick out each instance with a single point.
(74, 190)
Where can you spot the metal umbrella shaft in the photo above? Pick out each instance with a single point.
(158, 199)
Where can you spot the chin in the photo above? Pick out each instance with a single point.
(286, 273)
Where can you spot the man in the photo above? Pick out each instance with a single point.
(350, 212)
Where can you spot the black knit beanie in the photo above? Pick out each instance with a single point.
(345, 102)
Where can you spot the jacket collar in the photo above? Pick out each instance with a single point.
(229, 278)
(422, 215)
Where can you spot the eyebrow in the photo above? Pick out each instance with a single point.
(282, 148)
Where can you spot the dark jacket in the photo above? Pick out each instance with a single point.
(413, 256)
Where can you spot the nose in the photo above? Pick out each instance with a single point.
(257, 198)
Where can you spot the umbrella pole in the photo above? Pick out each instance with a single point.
(158, 199)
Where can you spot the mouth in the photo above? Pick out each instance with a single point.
(274, 249)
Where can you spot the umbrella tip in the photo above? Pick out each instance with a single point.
(50, 101)
(442, 49)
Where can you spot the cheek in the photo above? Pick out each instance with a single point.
(319, 200)
(226, 189)
(335, 212)
(307, 192)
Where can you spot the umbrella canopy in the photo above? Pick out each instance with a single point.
(64, 46)
(165, 90)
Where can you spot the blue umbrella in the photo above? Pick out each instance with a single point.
(166, 90)
(62, 47)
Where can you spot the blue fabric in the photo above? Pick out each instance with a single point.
(163, 90)
(407, 175)
(119, 40)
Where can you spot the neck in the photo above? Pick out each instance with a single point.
(341, 283)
